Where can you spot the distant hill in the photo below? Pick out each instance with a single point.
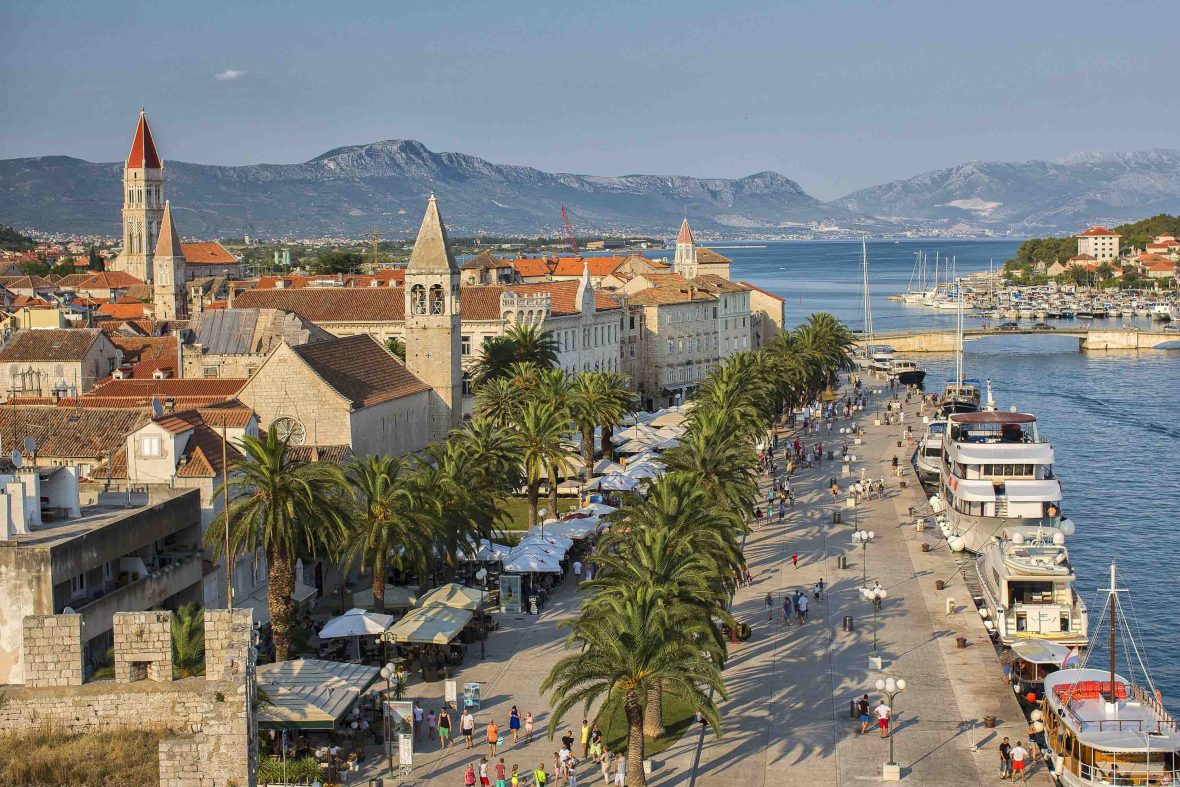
(348, 190)
(11, 240)
(1034, 196)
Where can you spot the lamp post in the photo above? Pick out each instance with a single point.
(876, 594)
(541, 513)
(891, 772)
(482, 576)
(863, 537)
(388, 672)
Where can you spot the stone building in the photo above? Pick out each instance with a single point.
(234, 343)
(671, 341)
(56, 363)
(766, 315)
(143, 204)
(342, 392)
(115, 553)
(1100, 243)
(168, 295)
(690, 260)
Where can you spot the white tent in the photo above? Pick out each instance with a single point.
(573, 528)
(524, 562)
(668, 418)
(598, 509)
(309, 693)
(645, 470)
(356, 623)
(550, 539)
(605, 466)
(637, 432)
(617, 482)
(454, 595)
(432, 625)
(670, 442)
(638, 445)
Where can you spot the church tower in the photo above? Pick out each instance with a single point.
(143, 204)
(433, 351)
(685, 261)
(168, 271)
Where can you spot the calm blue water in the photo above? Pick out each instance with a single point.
(1110, 416)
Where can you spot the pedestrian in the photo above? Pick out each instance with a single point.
(500, 780)
(1019, 753)
(881, 487)
(444, 727)
(788, 609)
(469, 776)
(747, 576)
(540, 778)
(769, 607)
(862, 710)
(571, 769)
(782, 511)
(515, 776)
(585, 738)
(621, 771)
(801, 605)
(493, 734)
(795, 560)
(418, 715)
(604, 762)
(1005, 759)
(467, 727)
(882, 712)
(528, 727)
(430, 724)
(577, 573)
(484, 781)
(819, 589)
(514, 723)
(1034, 742)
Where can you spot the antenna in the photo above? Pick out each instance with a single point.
(157, 407)
(17, 459)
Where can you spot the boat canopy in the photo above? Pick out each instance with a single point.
(973, 491)
(1032, 491)
(993, 453)
(992, 417)
(1124, 730)
(1040, 651)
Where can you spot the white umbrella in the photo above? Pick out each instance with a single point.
(527, 562)
(574, 528)
(664, 445)
(643, 456)
(356, 623)
(645, 470)
(605, 466)
(598, 509)
(637, 432)
(616, 482)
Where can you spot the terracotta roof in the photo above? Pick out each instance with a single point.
(1097, 231)
(1153, 258)
(664, 296)
(21, 301)
(1083, 258)
(685, 235)
(143, 147)
(25, 283)
(529, 267)
(759, 289)
(122, 311)
(334, 454)
(714, 283)
(392, 274)
(483, 302)
(201, 457)
(360, 370)
(250, 331)
(69, 431)
(168, 244)
(483, 260)
(599, 266)
(72, 280)
(371, 304)
(143, 391)
(207, 253)
(710, 257)
(231, 413)
(59, 344)
(108, 279)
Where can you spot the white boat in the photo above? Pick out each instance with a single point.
(1161, 311)
(906, 372)
(1028, 591)
(1102, 728)
(997, 480)
(928, 458)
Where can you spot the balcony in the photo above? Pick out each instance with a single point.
(183, 571)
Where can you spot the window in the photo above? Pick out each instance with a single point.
(77, 585)
(418, 299)
(437, 301)
(209, 371)
(714, 312)
(151, 446)
(467, 384)
(632, 322)
(57, 370)
(671, 346)
(465, 345)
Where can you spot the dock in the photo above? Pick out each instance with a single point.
(945, 341)
(787, 721)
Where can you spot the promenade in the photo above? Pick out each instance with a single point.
(787, 721)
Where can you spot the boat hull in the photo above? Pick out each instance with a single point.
(912, 377)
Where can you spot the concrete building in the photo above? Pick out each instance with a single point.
(1100, 243)
(111, 554)
(671, 342)
(767, 315)
(343, 392)
(46, 363)
(234, 343)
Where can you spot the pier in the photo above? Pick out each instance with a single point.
(941, 341)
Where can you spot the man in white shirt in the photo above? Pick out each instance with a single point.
(801, 605)
(577, 573)
(1019, 754)
(882, 712)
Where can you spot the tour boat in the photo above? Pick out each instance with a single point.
(997, 480)
(928, 457)
(960, 395)
(1028, 591)
(1103, 728)
(906, 371)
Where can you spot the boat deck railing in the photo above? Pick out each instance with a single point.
(1137, 775)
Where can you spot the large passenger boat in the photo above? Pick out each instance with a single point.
(997, 481)
(1103, 728)
(928, 458)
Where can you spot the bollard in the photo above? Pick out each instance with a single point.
(939, 584)
(852, 714)
(848, 623)
(989, 722)
(841, 561)
(835, 517)
(925, 547)
(961, 643)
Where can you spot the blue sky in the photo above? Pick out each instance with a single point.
(837, 95)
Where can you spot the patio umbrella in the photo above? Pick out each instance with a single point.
(310, 694)
(432, 625)
(664, 445)
(645, 470)
(529, 562)
(605, 466)
(453, 595)
(617, 482)
(637, 432)
(356, 623)
(598, 509)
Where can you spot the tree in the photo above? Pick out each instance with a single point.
(96, 263)
(336, 262)
(396, 347)
(285, 508)
(533, 344)
(496, 355)
(541, 432)
(188, 641)
(498, 400)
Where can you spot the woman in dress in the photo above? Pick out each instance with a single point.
(514, 723)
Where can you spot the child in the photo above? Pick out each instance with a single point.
(515, 776)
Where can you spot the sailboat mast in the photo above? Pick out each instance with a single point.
(1113, 696)
(864, 251)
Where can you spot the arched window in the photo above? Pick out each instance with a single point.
(437, 299)
(418, 299)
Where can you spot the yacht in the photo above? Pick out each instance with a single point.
(1028, 591)
(1104, 728)
(906, 372)
(959, 396)
(997, 480)
(928, 457)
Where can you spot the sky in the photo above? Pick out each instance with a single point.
(836, 95)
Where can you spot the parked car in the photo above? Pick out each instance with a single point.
(1008, 326)
(1040, 326)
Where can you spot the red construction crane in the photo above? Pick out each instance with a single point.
(569, 231)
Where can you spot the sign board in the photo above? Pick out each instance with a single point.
(534, 605)
(451, 693)
(510, 598)
(405, 750)
(471, 695)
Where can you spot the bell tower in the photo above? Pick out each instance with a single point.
(143, 203)
(685, 261)
(433, 351)
(168, 272)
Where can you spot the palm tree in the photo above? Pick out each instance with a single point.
(628, 644)
(188, 641)
(618, 401)
(599, 399)
(556, 388)
(495, 356)
(470, 499)
(396, 347)
(495, 452)
(533, 344)
(391, 516)
(498, 400)
(721, 460)
(285, 507)
(541, 432)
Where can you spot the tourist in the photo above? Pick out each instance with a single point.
(528, 727)
(567, 740)
(801, 605)
(882, 712)
(577, 573)
(467, 727)
(469, 776)
(881, 487)
(571, 769)
(1035, 739)
(795, 560)
(747, 577)
(1005, 759)
(585, 738)
(515, 776)
(514, 723)
(782, 511)
(787, 609)
(540, 778)
(444, 728)
(430, 723)
(500, 781)
(1018, 754)
(484, 781)
(862, 710)
(896, 466)
(769, 607)
(621, 771)
(604, 762)
(558, 767)
(493, 734)
(819, 589)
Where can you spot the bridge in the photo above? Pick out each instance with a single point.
(941, 341)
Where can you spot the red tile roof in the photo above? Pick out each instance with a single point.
(207, 253)
(108, 279)
(685, 235)
(759, 289)
(360, 370)
(59, 344)
(122, 311)
(143, 391)
(322, 304)
(710, 257)
(143, 147)
(1096, 232)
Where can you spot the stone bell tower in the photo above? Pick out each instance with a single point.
(685, 261)
(143, 204)
(168, 272)
(433, 351)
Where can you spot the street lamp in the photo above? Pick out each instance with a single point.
(891, 772)
(863, 537)
(482, 576)
(541, 513)
(388, 672)
(876, 594)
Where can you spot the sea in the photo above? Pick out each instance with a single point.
(1111, 417)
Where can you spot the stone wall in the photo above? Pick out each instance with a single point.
(52, 650)
(212, 717)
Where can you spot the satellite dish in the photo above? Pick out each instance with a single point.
(17, 459)
(68, 611)
(30, 445)
(157, 408)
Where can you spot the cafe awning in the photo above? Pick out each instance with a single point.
(432, 625)
(310, 694)
(453, 595)
(396, 597)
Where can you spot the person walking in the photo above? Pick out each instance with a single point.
(882, 711)
(501, 781)
(540, 778)
(514, 723)
(431, 721)
(769, 607)
(795, 560)
(469, 776)
(604, 762)
(444, 728)
(418, 716)
(577, 573)
(620, 770)
(467, 727)
(484, 781)
(862, 710)
(1018, 753)
(528, 727)
(1005, 759)
(515, 778)
(801, 605)
(788, 609)
(819, 589)
(493, 735)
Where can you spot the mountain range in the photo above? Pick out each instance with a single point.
(349, 190)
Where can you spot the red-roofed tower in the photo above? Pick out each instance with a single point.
(143, 203)
(685, 261)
